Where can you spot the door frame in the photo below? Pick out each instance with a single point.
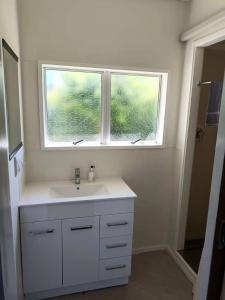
(205, 34)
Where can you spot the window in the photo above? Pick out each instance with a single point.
(84, 107)
(73, 106)
(134, 106)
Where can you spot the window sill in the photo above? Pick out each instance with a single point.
(93, 146)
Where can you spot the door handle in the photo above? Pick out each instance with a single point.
(115, 267)
(199, 133)
(38, 232)
(116, 246)
(222, 235)
(81, 227)
(117, 224)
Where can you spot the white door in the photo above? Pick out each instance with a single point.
(80, 250)
(41, 255)
(204, 282)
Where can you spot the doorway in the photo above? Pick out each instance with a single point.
(210, 93)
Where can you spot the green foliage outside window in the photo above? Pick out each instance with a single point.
(134, 104)
(74, 106)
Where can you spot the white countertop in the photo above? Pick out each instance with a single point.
(39, 193)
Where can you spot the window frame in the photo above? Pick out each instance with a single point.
(104, 142)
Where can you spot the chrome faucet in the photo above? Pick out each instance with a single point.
(77, 176)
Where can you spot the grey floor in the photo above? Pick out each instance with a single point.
(155, 276)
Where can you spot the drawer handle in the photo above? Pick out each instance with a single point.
(116, 246)
(81, 227)
(115, 267)
(117, 224)
(38, 232)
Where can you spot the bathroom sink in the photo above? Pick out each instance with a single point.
(81, 190)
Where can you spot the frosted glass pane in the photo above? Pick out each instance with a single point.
(134, 107)
(73, 104)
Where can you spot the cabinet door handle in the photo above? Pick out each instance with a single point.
(116, 246)
(38, 232)
(117, 224)
(81, 227)
(115, 267)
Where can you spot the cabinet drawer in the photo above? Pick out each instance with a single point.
(75, 210)
(115, 246)
(115, 268)
(41, 256)
(116, 225)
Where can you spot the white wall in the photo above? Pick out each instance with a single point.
(200, 10)
(126, 33)
(9, 23)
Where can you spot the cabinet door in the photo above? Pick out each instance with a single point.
(80, 250)
(41, 255)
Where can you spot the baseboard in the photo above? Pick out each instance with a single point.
(149, 249)
(187, 270)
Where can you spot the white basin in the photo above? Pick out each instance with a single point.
(81, 190)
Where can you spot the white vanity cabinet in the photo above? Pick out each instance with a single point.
(73, 247)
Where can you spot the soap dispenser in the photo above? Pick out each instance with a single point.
(91, 174)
